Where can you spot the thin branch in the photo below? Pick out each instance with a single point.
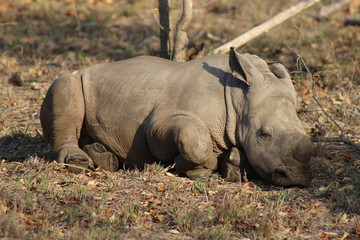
(206, 4)
(342, 137)
(327, 10)
(8, 23)
(156, 18)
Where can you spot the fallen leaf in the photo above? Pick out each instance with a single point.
(112, 218)
(327, 235)
(343, 218)
(346, 234)
(169, 174)
(174, 231)
(147, 225)
(345, 157)
(161, 189)
(158, 218)
(3, 208)
(243, 225)
(356, 163)
(249, 186)
(340, 171)
(152, 198)
(318, 208)
(69, 12)
(346, 188)
(92, 184)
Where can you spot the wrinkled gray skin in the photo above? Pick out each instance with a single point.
(220, 111)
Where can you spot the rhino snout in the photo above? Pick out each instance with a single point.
(292, 176)
(296, 169)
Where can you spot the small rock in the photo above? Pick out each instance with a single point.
(17, 79)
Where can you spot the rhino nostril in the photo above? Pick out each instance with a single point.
(303, 156)
(279, 173)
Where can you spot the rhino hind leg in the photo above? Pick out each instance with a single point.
(101, 157)
(62, 116)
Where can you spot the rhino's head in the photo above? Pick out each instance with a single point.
(267, 125)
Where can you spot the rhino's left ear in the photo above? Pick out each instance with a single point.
(242, 68)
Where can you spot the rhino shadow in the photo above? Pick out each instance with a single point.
(222, 76)
(19, 146)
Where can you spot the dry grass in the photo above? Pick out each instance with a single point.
(42, 200)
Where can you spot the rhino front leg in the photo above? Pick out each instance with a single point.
(187, 140)
(236, 167)
(230, 165)
(62, 117)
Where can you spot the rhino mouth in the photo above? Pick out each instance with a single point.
(292, 177)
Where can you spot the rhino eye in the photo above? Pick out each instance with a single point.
(265, 134)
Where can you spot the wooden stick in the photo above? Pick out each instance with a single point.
(353, 22)
(8, 23)
(325, 11)
(266, 26)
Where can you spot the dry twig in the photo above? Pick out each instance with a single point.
(327, 10)
(8, 23)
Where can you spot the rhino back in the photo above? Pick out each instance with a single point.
(119, 96)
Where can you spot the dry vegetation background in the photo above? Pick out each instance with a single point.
(42, 39)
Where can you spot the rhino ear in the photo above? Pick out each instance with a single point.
(279, 70)
(242, 68)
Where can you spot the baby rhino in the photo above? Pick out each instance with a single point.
(232, 113)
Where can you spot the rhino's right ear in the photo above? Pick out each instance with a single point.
(242, 68)
(279, 70)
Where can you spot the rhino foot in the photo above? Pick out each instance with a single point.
(230, 167)
(191, 170)
(230, 172)
(236, 167)
(75, 159)
(102, 158)
(198, 173)
(77, 163)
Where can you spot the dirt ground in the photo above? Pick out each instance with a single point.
(40, 199)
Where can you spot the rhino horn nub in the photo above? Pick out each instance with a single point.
(303, 150)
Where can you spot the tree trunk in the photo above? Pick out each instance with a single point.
(164, 28)
(180, 38)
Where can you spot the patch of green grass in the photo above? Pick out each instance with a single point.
(199, 187)
(220, 232)
(186, 220)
